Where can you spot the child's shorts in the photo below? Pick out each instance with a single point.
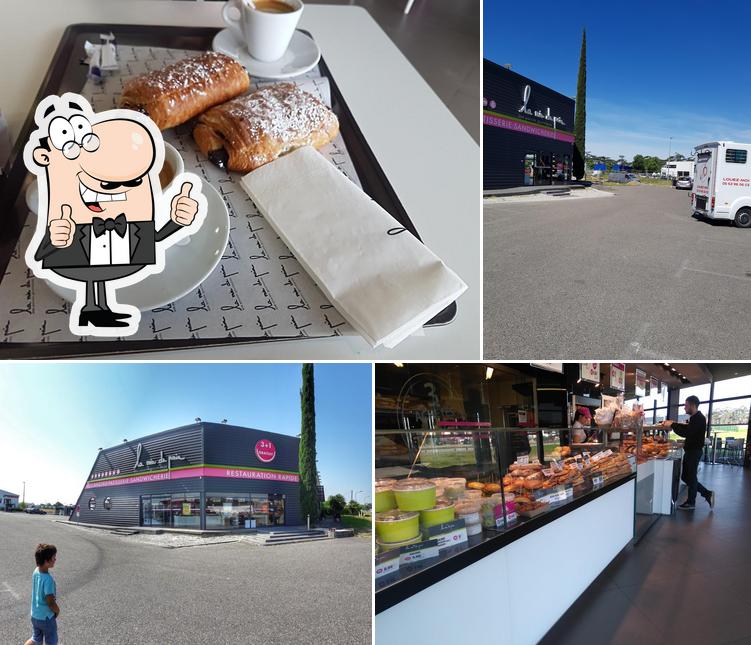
(45, 631)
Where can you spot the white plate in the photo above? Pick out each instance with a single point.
(185, 266)
(302, 55)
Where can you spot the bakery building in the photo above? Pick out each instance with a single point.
(201, 476)
(528, 131)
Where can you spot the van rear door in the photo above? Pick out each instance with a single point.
(706, 162)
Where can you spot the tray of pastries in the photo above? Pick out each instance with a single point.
(234, 126)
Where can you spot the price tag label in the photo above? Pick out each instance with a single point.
(448, 534)
(585, 457)
(548, 472)
(556, 465)
(386, 563)
(552, 498)
(418, 552)
(601, 455)
(511, 517)
(597, 480)
(522, 459)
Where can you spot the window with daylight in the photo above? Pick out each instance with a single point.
(735, 156)
(223, 511)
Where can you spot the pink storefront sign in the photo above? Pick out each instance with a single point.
(199, 471)
(496, 121)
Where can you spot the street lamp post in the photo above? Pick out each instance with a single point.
(670, 147)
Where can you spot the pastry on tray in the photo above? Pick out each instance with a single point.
(176, 93)
(253, 130)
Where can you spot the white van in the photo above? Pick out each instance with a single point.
(722, 182)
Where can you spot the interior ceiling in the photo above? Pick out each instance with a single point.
(724, 371)
(696, 373)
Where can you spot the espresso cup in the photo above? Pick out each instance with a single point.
(172, 167)
(266, 27)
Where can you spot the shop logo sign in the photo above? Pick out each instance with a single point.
(265, 450)
(536, 113)
(154, 462)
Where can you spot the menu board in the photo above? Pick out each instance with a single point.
(553, 367)
(640, 385)
(618, 376)
(589, 372)
(654, 386)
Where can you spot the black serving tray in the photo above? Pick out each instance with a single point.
(66, 73)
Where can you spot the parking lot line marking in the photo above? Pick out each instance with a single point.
(721, 275)
(10, 591)
(681, 269)
(732, 243)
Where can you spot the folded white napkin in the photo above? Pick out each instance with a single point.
(386, 286)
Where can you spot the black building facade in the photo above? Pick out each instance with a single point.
(528, 131)
(201, 476)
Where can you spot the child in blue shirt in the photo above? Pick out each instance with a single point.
(44, 609)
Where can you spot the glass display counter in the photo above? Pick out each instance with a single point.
(453, 491)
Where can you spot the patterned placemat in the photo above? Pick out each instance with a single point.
(257, 289)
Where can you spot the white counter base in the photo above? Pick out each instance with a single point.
(507, 597)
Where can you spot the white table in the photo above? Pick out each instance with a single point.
(430, 160)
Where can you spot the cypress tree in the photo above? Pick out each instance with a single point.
(580, 120)
(309, 502)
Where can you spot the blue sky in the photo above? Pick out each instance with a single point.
(654, 69)
(54, 417)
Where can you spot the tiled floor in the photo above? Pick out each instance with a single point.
(687, 582)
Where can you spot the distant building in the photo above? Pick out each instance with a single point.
(598, 169)
(675, 169)
(8, 500)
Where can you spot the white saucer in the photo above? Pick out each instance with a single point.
(302, 55)
(185, 266)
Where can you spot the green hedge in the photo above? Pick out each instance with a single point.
(354, 522)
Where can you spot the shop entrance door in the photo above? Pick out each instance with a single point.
(529, 169)
(155, 510)
(276, 509)
(146, 511)
(543, 170)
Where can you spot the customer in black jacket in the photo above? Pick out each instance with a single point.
(694, 432)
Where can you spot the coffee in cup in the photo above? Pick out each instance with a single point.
(166, 174)
(273, 6)
(265, 27)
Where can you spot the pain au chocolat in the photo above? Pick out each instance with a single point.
(178, 92)
(252, 130)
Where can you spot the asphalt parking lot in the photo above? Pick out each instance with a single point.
(632, 276)
(114, 590)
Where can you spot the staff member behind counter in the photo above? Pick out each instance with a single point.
(582, 422)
